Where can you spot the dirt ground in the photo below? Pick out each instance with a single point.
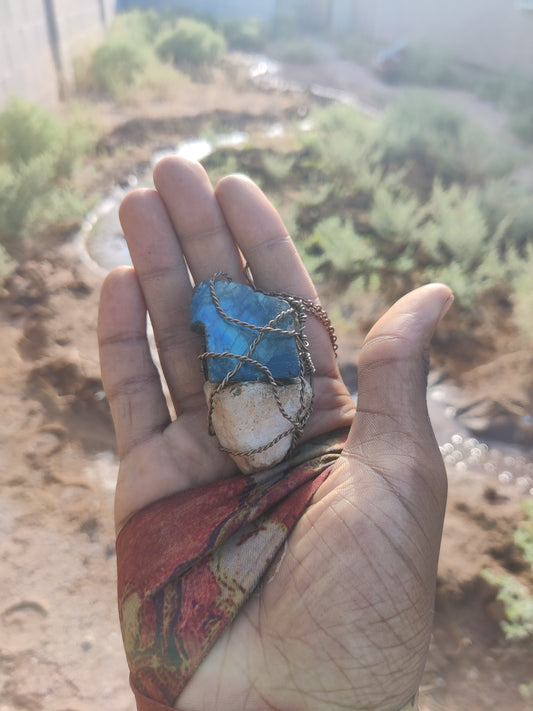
(60, 645)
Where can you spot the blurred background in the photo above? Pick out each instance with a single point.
(396, 139)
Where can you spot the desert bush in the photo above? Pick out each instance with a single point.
(295, 50)
(521, 123)
(523, 295)
(342, 147)
(395, 216)
(334, 250)
(248, 35)
(191, 44)
(126, 61)
(516, 597)
(428, 65)
(117, 64)
(514, 93)
(278, 166)
(507, 90)
(455, 230)
(440, 141)
(7, 265)
(38, 152)
(508, 210)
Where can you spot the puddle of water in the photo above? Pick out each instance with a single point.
(507, 464)
(101, 235)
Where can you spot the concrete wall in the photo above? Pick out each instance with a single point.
(263, 9)
(39, 40)
(312, 12)
(495, 34)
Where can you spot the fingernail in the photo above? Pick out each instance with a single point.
(243, 176)
(446, 306)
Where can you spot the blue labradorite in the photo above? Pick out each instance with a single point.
(277, 352)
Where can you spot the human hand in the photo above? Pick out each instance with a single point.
(345, 620)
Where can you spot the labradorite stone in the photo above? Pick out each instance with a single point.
(275, 351)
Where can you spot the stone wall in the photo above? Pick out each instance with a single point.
(39, 41)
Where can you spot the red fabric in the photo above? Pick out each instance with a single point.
(188, 563)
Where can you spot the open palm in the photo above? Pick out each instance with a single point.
(344, 618)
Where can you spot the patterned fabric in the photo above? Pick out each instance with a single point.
(188, 563)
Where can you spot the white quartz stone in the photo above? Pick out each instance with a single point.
(246, 416)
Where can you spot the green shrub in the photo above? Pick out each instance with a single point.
(28, 131)
(117, 64)
(508, 210)
(438, 141)
(37, 156)
(455, 229)
(249, 35)
(7, 265)
(191, 44)
(521, 123)
(508, 90)
(126, 61)
(278, 166)
(334, 250)
(343, 147)
(296, 50)
(428, 65)
(395, 217)
(516, 597)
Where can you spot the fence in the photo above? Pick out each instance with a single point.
(39, 41)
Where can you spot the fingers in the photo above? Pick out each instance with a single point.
(129, 376)
(165, 283)
(199, 223)
(262, 237)
(393, 368)
(271, 255)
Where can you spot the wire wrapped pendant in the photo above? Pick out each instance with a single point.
(257, 367)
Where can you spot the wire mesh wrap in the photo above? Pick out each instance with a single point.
(298, 309)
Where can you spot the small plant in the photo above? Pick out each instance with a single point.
(126, 61)
(438, 141)
(191, 44)
(249, 35)
(37, 156)
(428, 65)
(343, 147)
(516, 597)
(7, 265)
(521, 123)
(117, 64)
(296, 51)
(278, 166)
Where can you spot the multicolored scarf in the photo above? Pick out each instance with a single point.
(188, 563)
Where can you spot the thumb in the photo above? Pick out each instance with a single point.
(393, 367)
